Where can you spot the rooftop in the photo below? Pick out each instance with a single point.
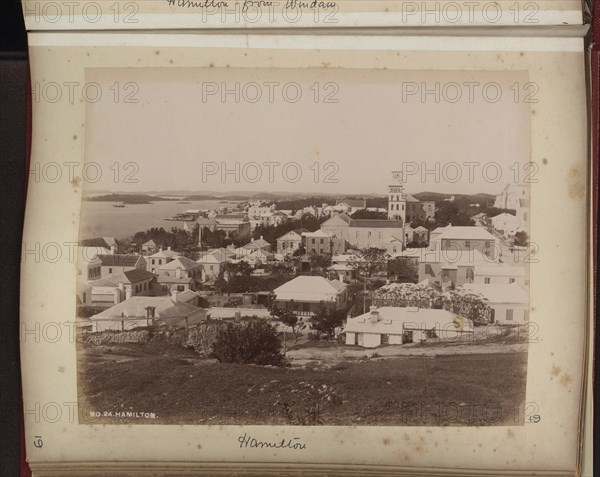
(376, 223)
(135, 307)
(466, 233)
(362, 203)
(185, 296)
(119, 260)
(394, 320)
(309, 289)
(317, 234)
(291, 233)
(106, 242)
(130, 276)
(165, 278)
(180, 262)
(168, 253)
(220, 313)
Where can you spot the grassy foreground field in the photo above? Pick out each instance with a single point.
(475, 389)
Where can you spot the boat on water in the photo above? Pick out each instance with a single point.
(119, 204)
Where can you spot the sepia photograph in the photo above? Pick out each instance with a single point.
(305, 247)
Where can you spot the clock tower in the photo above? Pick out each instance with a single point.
(397, 199)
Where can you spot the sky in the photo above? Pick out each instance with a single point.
(339, 131)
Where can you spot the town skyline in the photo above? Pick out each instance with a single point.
(278, 193)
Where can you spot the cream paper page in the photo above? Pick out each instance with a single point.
(69, 71)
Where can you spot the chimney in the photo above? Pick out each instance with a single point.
(238, 316)
(168, 248)
(261, 237)
(374, 314)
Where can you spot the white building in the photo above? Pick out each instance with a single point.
(464, 239)
(507, 224)
(509, 303)
(307, 293)
(499, 274)
(290, 242)
(398, 325)
(515, 197)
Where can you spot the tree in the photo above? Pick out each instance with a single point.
(369, 214)
(455, 213)
(373, 261)
(271, 233)
(521, 239)
(213, 238)
(244, 269)
(250, 342)
(403, 269)
(326, 320)
(320, 262)
(299, 252)
(358, 299)
(221, 285)
(286, 315)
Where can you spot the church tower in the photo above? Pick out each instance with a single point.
(397, 199)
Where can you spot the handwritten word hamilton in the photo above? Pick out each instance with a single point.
(249, 441)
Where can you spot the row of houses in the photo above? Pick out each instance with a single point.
(261, 213)
(159, 287)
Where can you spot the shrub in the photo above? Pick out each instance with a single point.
(250, 342)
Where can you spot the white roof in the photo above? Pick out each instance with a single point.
(180, 262)
(318, 233)
(309, 289)
(136, 307)
(220, 313)
(292, 234)
(165, 254)
(230, 221)
(495, 294)
(345, 257)
(466, 233)
(393, 320)
(341, 267)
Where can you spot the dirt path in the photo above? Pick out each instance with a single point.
(340, 353)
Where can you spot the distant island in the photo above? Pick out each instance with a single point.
(127, 198)
(306, 199)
